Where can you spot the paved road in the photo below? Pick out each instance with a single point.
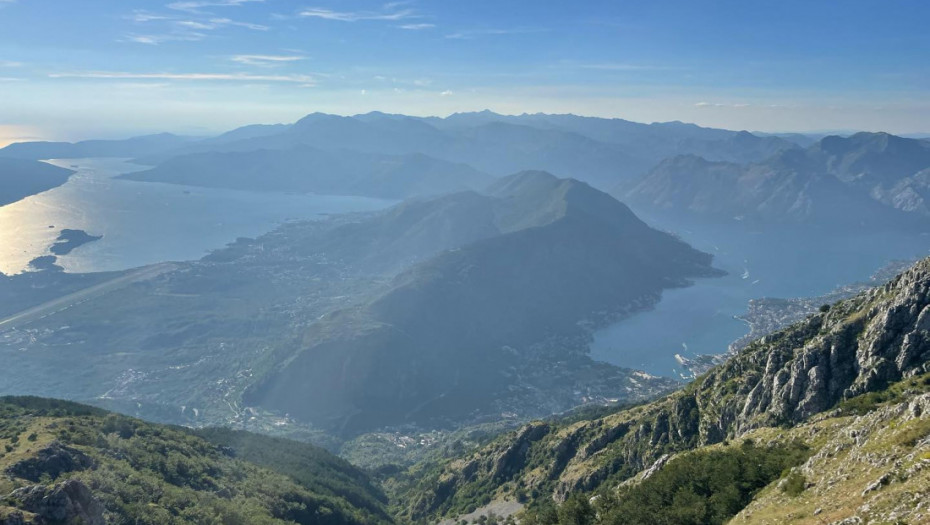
(62, 303)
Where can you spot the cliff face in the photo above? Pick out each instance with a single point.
(860, 345)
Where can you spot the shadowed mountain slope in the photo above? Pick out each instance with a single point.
(453, 332)
(20, 178)
(304, 169)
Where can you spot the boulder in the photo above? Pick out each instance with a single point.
(55, 459)
(68, 502)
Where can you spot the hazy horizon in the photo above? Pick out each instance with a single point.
(91, 69)
(13, 134)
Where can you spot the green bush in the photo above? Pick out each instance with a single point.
(794, 484)
(702, 487)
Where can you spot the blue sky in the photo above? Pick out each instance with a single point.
(74, 69)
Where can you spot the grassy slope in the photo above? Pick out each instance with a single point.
(888, 445)
(148, 473)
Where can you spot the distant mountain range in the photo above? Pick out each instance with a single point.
(21, 178)
(868, 179)
(665, 166)
(671, 166)
(133, 147)
(307, 169)
(602, 152)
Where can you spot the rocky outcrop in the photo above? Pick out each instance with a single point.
(859, 345)
(873, 468)
(53, 460)
(513, 458)
(12, 517)
(67, 503)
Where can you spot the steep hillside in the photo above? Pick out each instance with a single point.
(863, 352)
(69, 463)
(22, 178)
(305, 169)
(866, 462)
(880, 176)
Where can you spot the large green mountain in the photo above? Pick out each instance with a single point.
(471, 328)
(841, 398)
(72, 464)
(460, 308)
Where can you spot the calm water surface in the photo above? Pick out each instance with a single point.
(699, 319)
(143, 222)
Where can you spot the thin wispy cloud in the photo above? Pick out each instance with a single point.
(197, 6)
(613, 66)
(145, 16)
(188, 29)
(474, 33)
(390, 14)
(10, 63)
(306, 80)
(156, 39)
(720, 105)
(266, 60)
(215, 23)
(193, 24)
(143, 85)
(416, 27)
(236, 23)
